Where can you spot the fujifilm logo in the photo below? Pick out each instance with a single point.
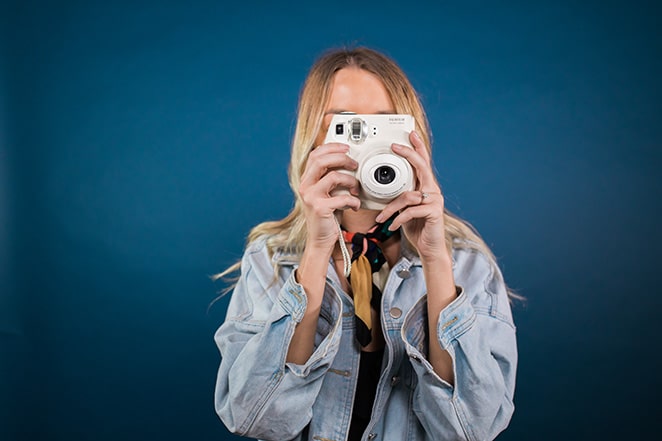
(396, 119)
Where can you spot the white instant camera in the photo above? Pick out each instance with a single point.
(383, 175)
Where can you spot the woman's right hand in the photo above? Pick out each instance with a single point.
(318, 182)
(320, 177)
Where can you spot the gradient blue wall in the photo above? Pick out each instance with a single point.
(141, 140)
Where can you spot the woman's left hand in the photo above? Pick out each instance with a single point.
(421, 211)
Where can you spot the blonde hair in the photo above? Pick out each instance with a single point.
(289, 234)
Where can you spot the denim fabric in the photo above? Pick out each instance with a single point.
(259, 395)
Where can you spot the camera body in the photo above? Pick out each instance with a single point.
(383, 175)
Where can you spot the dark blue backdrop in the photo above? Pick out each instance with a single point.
(131, 133)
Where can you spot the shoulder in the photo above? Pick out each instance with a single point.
(261, 252)
(469, 258)
(257, 250)
(481, 280)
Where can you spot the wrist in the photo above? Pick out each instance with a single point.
(317, 254)
(440, 281)
(437, 261)
(311, 272)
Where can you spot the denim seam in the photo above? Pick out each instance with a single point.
(451, 327)
(462, 418)
(410, 421)
(296, 310)
(500, 317)
(255, 324)
(455, 331)
(347, 415)
(276, 378)
(313, 363)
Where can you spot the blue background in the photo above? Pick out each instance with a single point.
(140, 141)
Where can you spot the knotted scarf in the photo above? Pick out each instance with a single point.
(367, 258)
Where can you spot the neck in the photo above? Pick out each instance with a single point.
(361, 221)
(358, 221)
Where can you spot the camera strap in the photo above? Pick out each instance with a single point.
(346, 259)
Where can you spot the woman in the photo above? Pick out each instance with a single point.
(433, 359)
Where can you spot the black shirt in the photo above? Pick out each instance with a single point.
(370, 367)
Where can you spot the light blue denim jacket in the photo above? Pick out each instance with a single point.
(259, 395)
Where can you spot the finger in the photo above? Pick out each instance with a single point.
(411, 213)
(342, 201)
(406, 199)
(423, 169)
(329, 161)
(334, 150)
(334, 183)
(331, 147)
(335, 179)
(419, 145)
(318, 165)
(324, 204)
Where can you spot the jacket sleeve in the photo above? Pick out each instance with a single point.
(257, 393)
(478, 332)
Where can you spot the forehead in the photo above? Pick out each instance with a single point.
(359, 91)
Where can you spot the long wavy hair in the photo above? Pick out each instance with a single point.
(289, 234)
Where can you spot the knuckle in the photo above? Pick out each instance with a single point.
(305, 196)
(305, 199)
(317, 210)
(350, 201)
(313, 162)
(334, 176)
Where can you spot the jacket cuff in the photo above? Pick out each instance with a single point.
(454, 320)
(328, 332)
(292, 298)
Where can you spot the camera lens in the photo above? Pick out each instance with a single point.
(384, 174)
(340, 129)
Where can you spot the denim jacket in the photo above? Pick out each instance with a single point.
(260, 395)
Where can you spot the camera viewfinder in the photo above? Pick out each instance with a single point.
(340, 128)
(356, 129)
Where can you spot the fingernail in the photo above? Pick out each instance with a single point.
(379, 218)
(416, 135)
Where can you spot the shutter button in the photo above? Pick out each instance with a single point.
(395, 313)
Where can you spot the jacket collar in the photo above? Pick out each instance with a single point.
(284, 257)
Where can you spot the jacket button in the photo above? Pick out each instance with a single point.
(403, 273)
(395, 380)
(372, 435)
(395, 312)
